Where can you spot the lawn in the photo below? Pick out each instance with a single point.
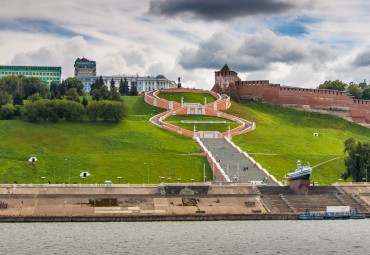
(105, 150)
(288, 133)
(221, 127)
(188, 97)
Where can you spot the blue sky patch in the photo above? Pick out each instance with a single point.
(35, 26)
(291, 26)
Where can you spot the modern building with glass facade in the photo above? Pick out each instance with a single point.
(142, 83)
(48, 74)
(85, 70)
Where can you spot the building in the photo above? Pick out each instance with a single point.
(142, 83)
(326, 101)
(48, 74)
(85, 70)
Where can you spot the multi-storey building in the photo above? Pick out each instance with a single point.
(48, 74)
(85, 70)
(142, 83)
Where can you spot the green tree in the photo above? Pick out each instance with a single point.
(97, 84)
(354, 90)
(54, 91)
(356, 159)
(366, 93)
(33, 85)
(35, 97)
(93, 110)
(363, 85)
(75, 83)
(62, 88)
(115, 95)
(133, 90)
(17, 98)
(112, 83)
(336, 85)
(5, 98)
(126, 89)
(72, 95)
(7, 112)
(84, 102)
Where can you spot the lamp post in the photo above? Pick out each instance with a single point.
(43, 178)
(69, 171)
(54, 174)
(83, 179)
(119, 179)
(148, 169)
(366, 165)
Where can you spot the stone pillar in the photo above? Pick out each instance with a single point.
(182, 101)
(205, 101)
(300, 187)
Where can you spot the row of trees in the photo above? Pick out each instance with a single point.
(357, 159)
(123, 88)
(54, 110)
(358, 91)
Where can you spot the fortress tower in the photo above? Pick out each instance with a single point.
(225, 80)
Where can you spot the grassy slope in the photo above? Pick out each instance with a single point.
(188, 97)
(221, 127)
(106, 150)
(289, 134)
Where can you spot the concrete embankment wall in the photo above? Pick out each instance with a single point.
(133, 218)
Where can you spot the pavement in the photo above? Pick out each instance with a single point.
(235, 164)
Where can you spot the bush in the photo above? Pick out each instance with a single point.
(107, 110)
(7, 112)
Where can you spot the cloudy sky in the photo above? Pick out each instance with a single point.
(295, 43)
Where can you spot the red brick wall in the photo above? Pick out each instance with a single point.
(274, 94)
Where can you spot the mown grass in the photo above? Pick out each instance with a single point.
(188, 97)
(105, 150)
(220, 127)
(289, 134)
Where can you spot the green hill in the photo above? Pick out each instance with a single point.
(105, 150)
(288, 133)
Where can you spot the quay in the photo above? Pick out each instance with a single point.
(171, 202)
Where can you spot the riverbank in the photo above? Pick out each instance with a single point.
(191, 202)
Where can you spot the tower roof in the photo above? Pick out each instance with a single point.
(225, 68)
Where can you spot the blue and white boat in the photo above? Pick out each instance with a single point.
(332, 215)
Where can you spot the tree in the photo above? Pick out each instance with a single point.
(7, 112)
(33, 85)
(366, 93)
(35, 97)
(126, 89)
(75, 83)
(72, 95)
(62, 88)
(112, 83)
(17, 98)
(5, 98)
(133, 90)
(97, 84)
(120, 88)
(115, 95)
(336, 85)
(357, 158)
(100, 94)
(93, 110)
(84, 102)
(354, 90)
(54, 91)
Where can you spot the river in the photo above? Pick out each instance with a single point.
(216, 237)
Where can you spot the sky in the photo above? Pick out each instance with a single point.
(294, 43)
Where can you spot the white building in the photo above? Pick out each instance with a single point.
(144, 83)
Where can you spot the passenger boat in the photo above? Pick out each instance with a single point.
(302, 172)
(332, 215)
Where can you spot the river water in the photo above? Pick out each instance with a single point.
(217, 237)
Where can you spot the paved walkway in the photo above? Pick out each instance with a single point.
(235, 164)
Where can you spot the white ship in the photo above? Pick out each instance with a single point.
(302, 172)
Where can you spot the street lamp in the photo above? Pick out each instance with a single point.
(148, 169)
(119, 179)
(169, 179)
(43, 178)
(69, 171)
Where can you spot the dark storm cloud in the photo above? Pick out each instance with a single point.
(254, 52)
(220, 9)
(362, 59)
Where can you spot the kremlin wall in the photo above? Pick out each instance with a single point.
(331, 102)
